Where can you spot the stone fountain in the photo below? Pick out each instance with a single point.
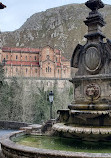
(88, 117)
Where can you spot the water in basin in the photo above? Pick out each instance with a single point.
(65, 144)
(4, 132)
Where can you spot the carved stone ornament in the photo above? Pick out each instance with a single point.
(94, 4)
(92, 58)
(92, 91)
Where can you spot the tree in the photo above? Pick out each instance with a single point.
(15, 98)
(41, 105)
(4, 95)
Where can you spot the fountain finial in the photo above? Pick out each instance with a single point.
(94, 4)
(2, 6)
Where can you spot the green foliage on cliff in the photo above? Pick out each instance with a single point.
(33, 106)
(15, 101)
(10, 100)
(41, 106)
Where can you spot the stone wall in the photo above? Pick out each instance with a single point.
(12, 125)
(30, 83)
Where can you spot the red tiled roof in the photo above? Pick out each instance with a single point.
(9, 49)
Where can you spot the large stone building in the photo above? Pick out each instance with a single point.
(33, 62)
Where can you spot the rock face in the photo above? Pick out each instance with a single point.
(60, 27)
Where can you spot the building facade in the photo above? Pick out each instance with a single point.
(33, 62)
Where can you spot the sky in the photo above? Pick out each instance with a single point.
(18, 11)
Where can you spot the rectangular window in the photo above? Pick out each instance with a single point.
(35, 70)
(16, 57)
(35, 58)
(6, 56)
(26, 70)
(48, 68)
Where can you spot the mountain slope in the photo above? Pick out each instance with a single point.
(60, 27)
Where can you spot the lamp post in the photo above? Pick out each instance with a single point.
(51, 98)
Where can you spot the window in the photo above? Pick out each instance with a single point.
(64, 71)
(26, 70)
(6, 56)
(58, 71)
(35, 58)
(48, 69)
(16, 69)
(56, 58)
(35, 70)
(26, 58)
(16, 57)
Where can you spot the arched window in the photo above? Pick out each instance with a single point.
(16, 57)
(46, 69)
(58, 71)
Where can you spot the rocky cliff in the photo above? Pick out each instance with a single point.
(60, 27)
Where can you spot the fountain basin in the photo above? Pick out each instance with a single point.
(12, 149)
(87, 133)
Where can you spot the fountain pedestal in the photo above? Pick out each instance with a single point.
(89, 115)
